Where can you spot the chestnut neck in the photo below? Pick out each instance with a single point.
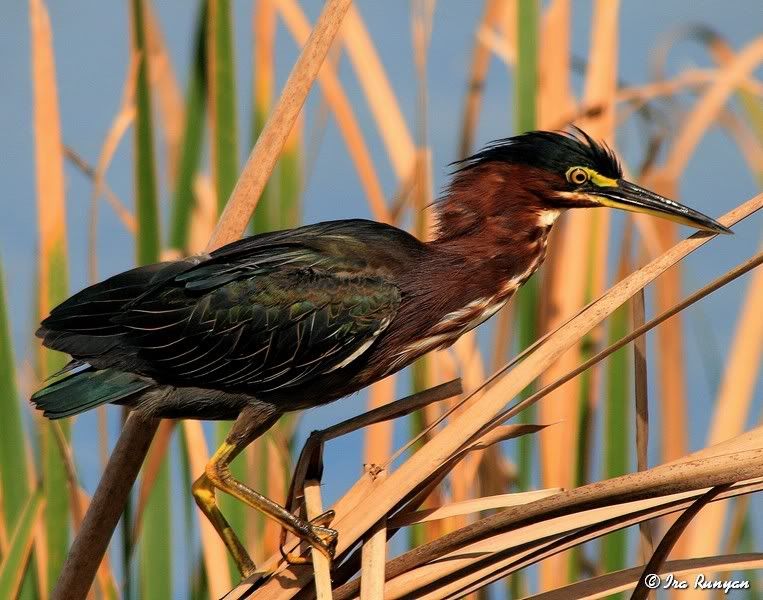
(494, 210)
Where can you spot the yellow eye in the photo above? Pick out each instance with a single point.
(578, 176)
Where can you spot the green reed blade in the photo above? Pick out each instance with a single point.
(193, 137)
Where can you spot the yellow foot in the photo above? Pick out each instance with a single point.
(318, 536)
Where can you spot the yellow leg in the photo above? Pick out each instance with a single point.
(217, 474)
(204, 494)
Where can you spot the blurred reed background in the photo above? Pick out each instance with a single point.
(405, 90)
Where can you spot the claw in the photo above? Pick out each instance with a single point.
(321, 538)
(324, 519)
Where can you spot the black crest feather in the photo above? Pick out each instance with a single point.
(550, 150)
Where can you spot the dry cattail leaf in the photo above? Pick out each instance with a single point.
(471, 506)
(612, 583)
(495, 570)
(573, 511)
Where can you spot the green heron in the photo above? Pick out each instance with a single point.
(293, 319)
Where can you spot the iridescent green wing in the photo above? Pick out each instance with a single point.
(263, 319)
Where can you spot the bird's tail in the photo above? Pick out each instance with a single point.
(84, 388)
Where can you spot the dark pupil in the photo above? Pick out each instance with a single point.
(579, 177)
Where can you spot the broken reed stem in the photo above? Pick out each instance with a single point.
(321, 564)
(642, 411)
(109, 499)
(373, 557)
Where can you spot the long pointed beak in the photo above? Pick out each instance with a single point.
(629, 196)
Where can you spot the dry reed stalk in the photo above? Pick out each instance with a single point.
(122, 212)
(204, 215)
(565, 294)
(378, 498)
(212, 548)
(748, 265)
(699, 119)
(321, 564)
(264, 31)
(508, 39)
(732, 406)
(601, 78)
(715, 285)
(170, 99)
(90, 544)
(671, 382)
(601, 89)
(277, 471)
(477, 565)
(105, 576)
(265, 153)
(373, 559)
(612, 583)
(555, 97)
(642, 409)
(464, 481)
(491, 16)
(340, 105)
(106, 506)
(379, 94)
